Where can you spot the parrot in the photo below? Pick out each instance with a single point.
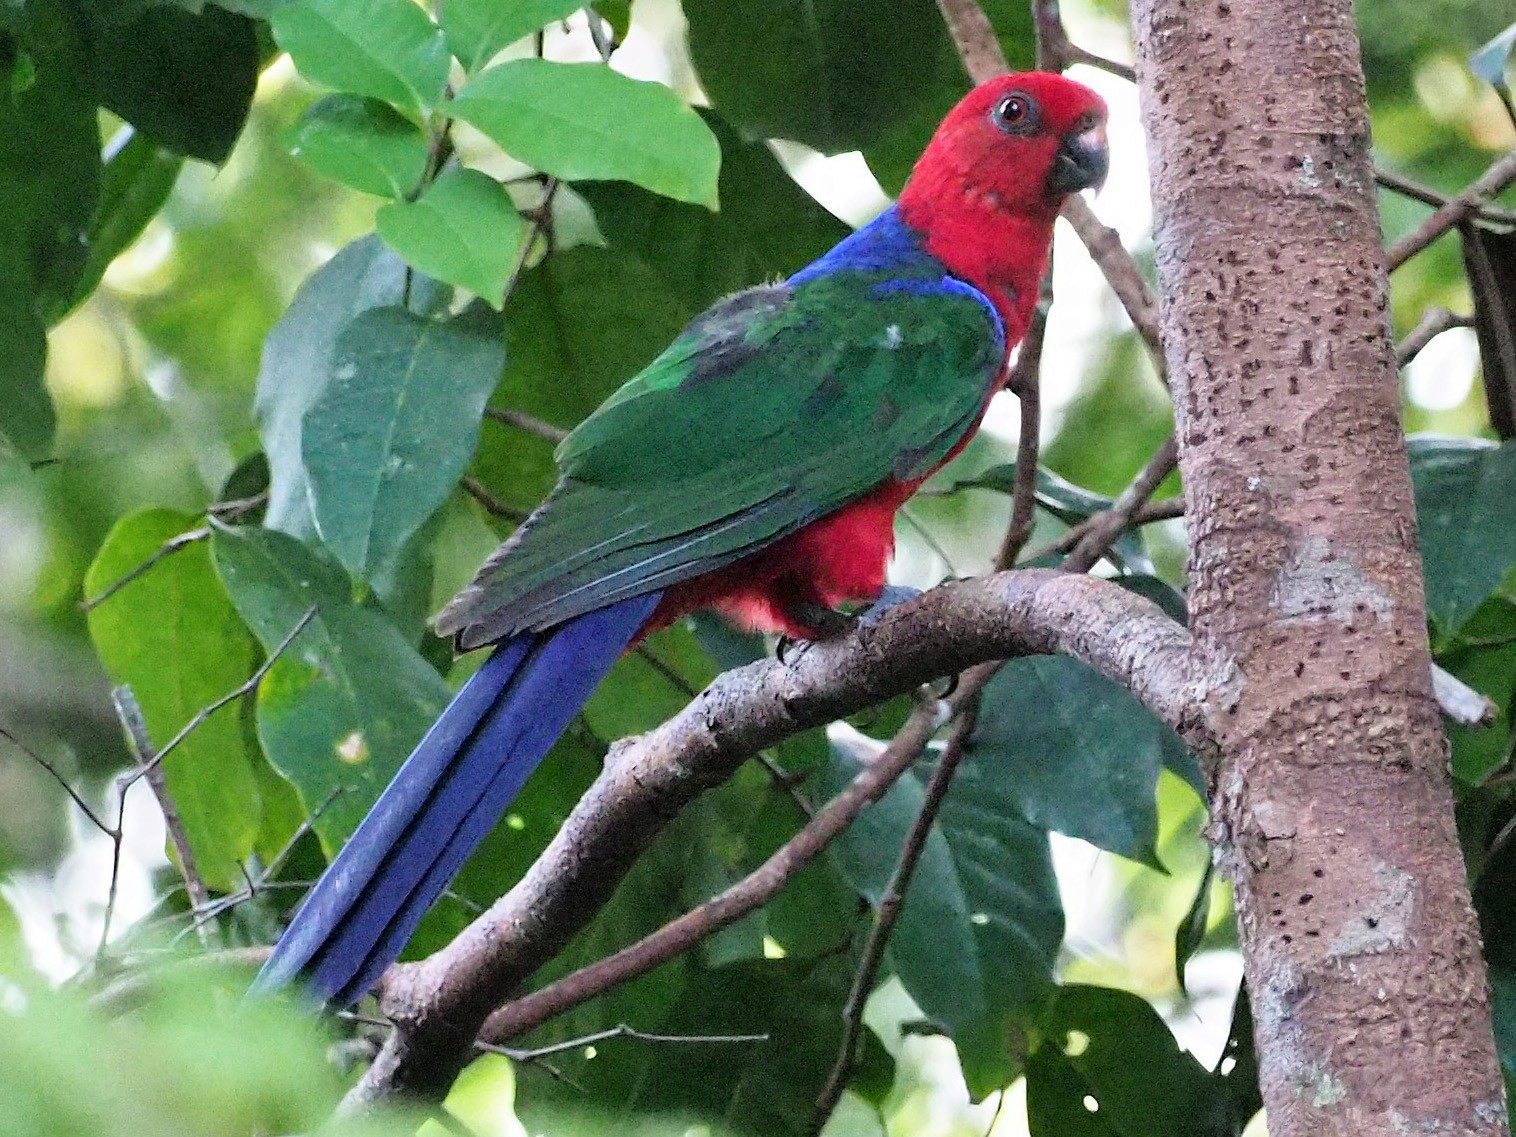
(753, 469)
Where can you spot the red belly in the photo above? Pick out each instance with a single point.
(833, 561)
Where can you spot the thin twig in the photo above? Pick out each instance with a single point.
(1025, 383)
(529, 423)
(1428, 196)
(1434, 321)
(893, 900)
(84, 808)
(1169, 509)
(1107, 525)
(492, 504)
(129, 711)
(167, 549)
(621, 1030)
(1501, 174)
(1121, 272)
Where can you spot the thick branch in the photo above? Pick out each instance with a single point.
(439, 1005)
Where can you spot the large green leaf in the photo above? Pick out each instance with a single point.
(298, 357)
(830, 73)
(386, 440)
(478, 29)
(363, 143)
(343, 707)
(979, 931)
(583, 121)
(388, 49)
(173, 635)
(1483, 655)
(28, 422)
(1108, 1067)
(767, 226)
(1069, 749)
(1466, 509)
(463, 230)
(184, 80)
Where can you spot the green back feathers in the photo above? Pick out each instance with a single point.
(778, 406)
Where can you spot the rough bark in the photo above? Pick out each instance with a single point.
(1331, 806)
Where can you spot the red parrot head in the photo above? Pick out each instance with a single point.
(1025, 141)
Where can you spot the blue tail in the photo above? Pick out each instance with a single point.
(445, 799)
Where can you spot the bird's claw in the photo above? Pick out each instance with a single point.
(890, 596)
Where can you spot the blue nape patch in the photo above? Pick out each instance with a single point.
(887, 244)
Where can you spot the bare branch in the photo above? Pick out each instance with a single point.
(1025, 382)
(492, 504)
(1106, 526)
(53, 772)
(438, 1004)
(1434, 321)
(130, 713)
(529, 423)
(167, 549)
(975, 37)
(619, 1031)
(1425, 194)
(1501, 174)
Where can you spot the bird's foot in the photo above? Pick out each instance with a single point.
(825, 623)
(890, 596)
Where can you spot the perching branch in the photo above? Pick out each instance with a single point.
(439, 1005)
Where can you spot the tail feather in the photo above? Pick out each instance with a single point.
(445, 799)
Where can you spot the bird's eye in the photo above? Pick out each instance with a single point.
(1016, 113)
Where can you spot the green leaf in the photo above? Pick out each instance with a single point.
(184, 80)
(1489, 62)
(172, 634)
(391, 432)
(829, 73)
(298, 363)
(362, 143)
(979, 931)
(1483, 655)
(464, 230)
(478, 29)
(49, 185)
(1191, 931)
(28, 422)
(581, 121)
(767, 226)
(388, 49)
(344, 706)
(1464, 494)
(1110, 1050)
(138, 177)
(1070, 750)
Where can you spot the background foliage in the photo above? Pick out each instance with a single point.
(267, 265)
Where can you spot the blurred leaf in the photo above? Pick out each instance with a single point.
(981, 924)
(767, 226)
(1237, 1068)
(346, 703)
(362, 143)
(28, 423)
(386, 440)
(174, 637)
(478, 29)
(1464, 490)
(1191, 931)
(138, 176)
(1071, 750)
(184, 80)
(1110, 1047)
(618, 13)
(1490, 61)
(1489, 258)
(1503, 1008)
(828, 73)
(463, 230)
(388, 49)
(581, 121)
(298, 362)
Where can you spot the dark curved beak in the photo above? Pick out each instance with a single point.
(1081, 162)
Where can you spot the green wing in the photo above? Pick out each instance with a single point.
(775, 408)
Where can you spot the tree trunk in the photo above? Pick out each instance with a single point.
(1331, 809)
